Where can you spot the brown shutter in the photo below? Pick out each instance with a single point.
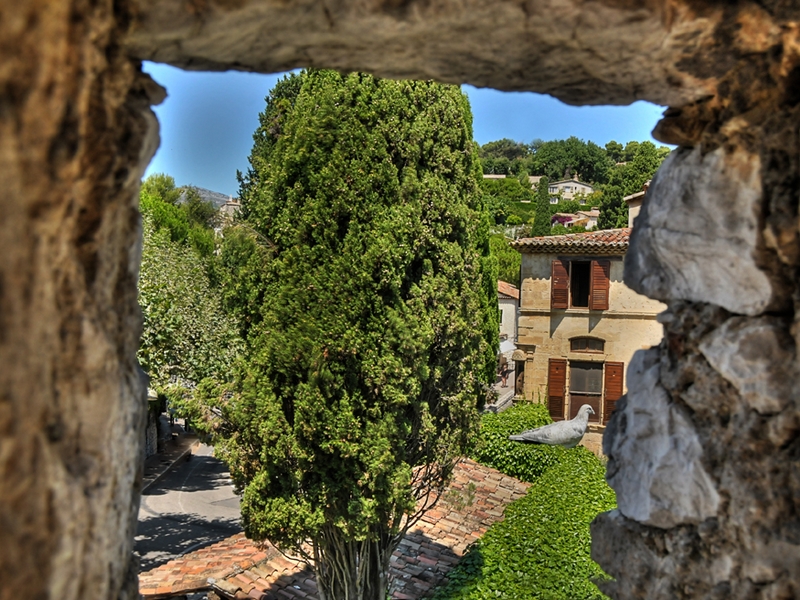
(615, 373)
(556, 388)
(559, 294)
(601, 274)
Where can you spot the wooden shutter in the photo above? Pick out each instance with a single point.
(601, 275)
(556, 387)
(615, 373)
(559, 294)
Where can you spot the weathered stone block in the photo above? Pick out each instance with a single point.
(696, 237)
(671, 487)
(757, 356)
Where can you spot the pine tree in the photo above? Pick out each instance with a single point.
(379, 324)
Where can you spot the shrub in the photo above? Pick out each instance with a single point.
(541, 549)
(523, 461)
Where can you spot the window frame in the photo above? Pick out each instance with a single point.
(587, 338)
(599, 283)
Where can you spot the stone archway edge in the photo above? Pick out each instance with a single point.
(76, 134)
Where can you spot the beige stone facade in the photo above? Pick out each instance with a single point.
(544, 332)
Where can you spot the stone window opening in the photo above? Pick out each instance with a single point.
(717, 242)
(581, 284)
(580, 281)
(587, 344)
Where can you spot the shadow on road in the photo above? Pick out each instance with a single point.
(180, 533)
(207, 473)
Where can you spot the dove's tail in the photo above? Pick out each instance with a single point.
(522, 438)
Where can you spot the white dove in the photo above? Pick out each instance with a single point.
(562, 433)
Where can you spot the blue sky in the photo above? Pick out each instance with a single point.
(208, 119)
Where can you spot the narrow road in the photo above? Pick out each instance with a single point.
(192, 507)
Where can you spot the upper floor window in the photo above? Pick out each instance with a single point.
(580, 284)
(586, 344)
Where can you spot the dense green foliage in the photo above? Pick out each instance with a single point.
(523, 461)
(378, 320)
(542, 547)
(158, 199)
(508, 259)
(625, 179)
(186, 334)
(541, 223)
(507, 198)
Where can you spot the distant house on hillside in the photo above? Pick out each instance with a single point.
(569, 189)
(228, 210)
(635, 202)
(579, 324)
(583, 218)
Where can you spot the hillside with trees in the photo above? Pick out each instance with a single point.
(614, 171)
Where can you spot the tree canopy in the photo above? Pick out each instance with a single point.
(187, 335)
(378, 321)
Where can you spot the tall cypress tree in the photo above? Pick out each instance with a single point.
(541, 222)
(379, 324)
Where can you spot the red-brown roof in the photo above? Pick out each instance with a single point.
(509, 290)
(239, 568)
(606, 241)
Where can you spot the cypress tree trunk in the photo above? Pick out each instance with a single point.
(351, 570)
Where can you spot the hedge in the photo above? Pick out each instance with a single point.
(542, 547)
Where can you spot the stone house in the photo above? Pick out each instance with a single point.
(569, 189)
(634, 202)
(579, 324)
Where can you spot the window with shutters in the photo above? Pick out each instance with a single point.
(580, 284)
(600, 385)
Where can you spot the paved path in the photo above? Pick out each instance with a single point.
(192, 506)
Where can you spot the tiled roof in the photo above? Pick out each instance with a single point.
(237, 568)
(606, 241)
(509, 290)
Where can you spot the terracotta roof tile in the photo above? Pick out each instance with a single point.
(506, 288)
(240, 568)
(605, 241)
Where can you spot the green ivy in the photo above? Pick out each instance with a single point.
(523, 461)
(542, 547)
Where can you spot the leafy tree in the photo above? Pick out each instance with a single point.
(361, 385)
(562, 159)
(198, 211)
(161, 186)
(158, 198)
(186, 334)
(279, 103)
(504, 148)
(243, 261)
(629, 178)
(614, 151)
(508, 259)
(541, 225)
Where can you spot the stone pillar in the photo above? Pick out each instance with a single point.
(76, 131)
(704, 452)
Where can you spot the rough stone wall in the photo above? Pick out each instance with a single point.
(704, 451)
(75, 133)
